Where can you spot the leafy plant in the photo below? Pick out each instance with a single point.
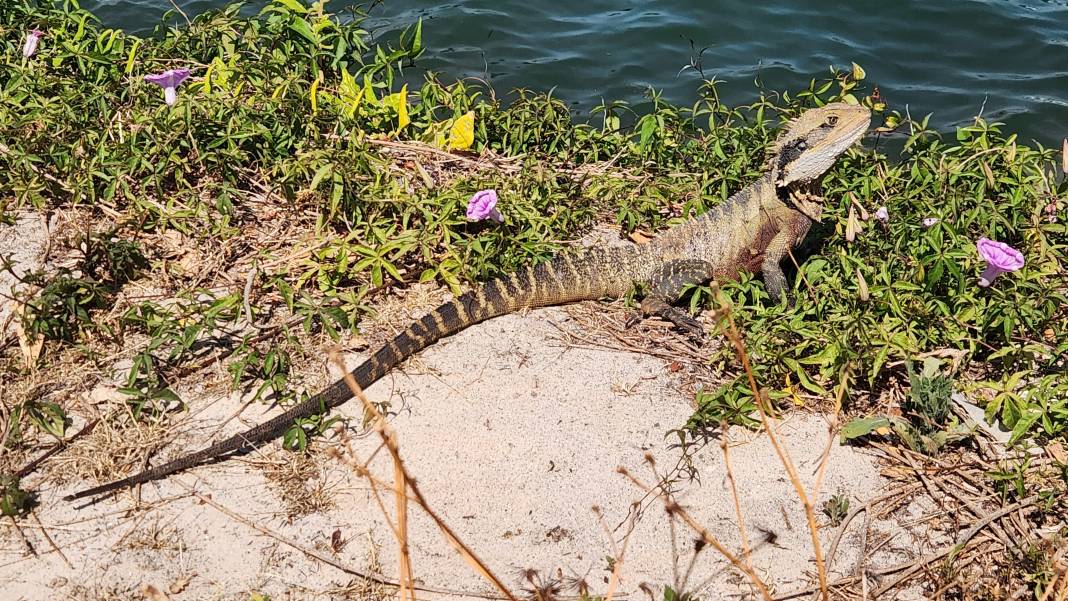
(929, 426)
(836, 508)
(728, 404)
(14, 501)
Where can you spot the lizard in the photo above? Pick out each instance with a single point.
(752, 230)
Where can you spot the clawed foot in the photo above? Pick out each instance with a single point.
(685, 323)
(681, 320)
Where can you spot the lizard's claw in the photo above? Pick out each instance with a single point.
(686, 323)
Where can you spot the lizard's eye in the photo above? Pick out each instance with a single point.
(832, 120)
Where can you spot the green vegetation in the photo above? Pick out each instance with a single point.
(301, 173)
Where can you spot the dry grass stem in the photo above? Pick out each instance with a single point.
(674, 509)
(732, 333)
(390, 440)
(746, 551)
(832, 432)
(51, 542)
(400, 487)
(316, 554)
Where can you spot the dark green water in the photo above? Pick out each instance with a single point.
(952, 58)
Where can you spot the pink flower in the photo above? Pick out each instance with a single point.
(882, 215)
(169, 81)
(999, 257)
(30, 46)
(483, 206)
(929, 221)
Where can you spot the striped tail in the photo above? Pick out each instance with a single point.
(566, 279)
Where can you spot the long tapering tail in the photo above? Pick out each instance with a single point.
(564, 280)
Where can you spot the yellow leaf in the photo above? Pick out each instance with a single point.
(858, 72)
(207, 78)
(793, 393)
(133, 54)
(218, 73)
(314, 92)
(462, 133)
(882, 431)
(350, 93)
(402, 108)
(439, 139)
(399, 103)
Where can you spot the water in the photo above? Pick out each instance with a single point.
(952, 58)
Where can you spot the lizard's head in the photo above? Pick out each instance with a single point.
(813, 141)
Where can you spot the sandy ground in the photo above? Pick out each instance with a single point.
(24, 244)
(513, 439)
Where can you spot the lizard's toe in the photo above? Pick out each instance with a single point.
(687, 324)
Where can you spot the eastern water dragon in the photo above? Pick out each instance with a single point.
(753, 231)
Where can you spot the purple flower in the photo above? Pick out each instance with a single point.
(169, 81)
(30, 46)
(999, 257)
(929, 221)
(483, 206)
(882, 215)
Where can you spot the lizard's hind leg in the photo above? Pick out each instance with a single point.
(666, 286)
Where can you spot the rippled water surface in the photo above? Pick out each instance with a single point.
(951, 58)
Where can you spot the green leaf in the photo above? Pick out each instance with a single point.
(862, 427)
(1024, 423)
(293, 6)
(417, 41)
(320, 173)
(301, 27)
(647, 130)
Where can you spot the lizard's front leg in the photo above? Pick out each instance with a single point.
(776, 251)
(666, 286)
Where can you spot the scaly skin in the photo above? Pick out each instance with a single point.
(752, 231)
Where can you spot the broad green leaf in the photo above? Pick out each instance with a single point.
(293, 6)
(301, 26)
(417, 41)
(862, 427)
(369, 91)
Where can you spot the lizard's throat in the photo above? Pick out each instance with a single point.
(804, 197)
